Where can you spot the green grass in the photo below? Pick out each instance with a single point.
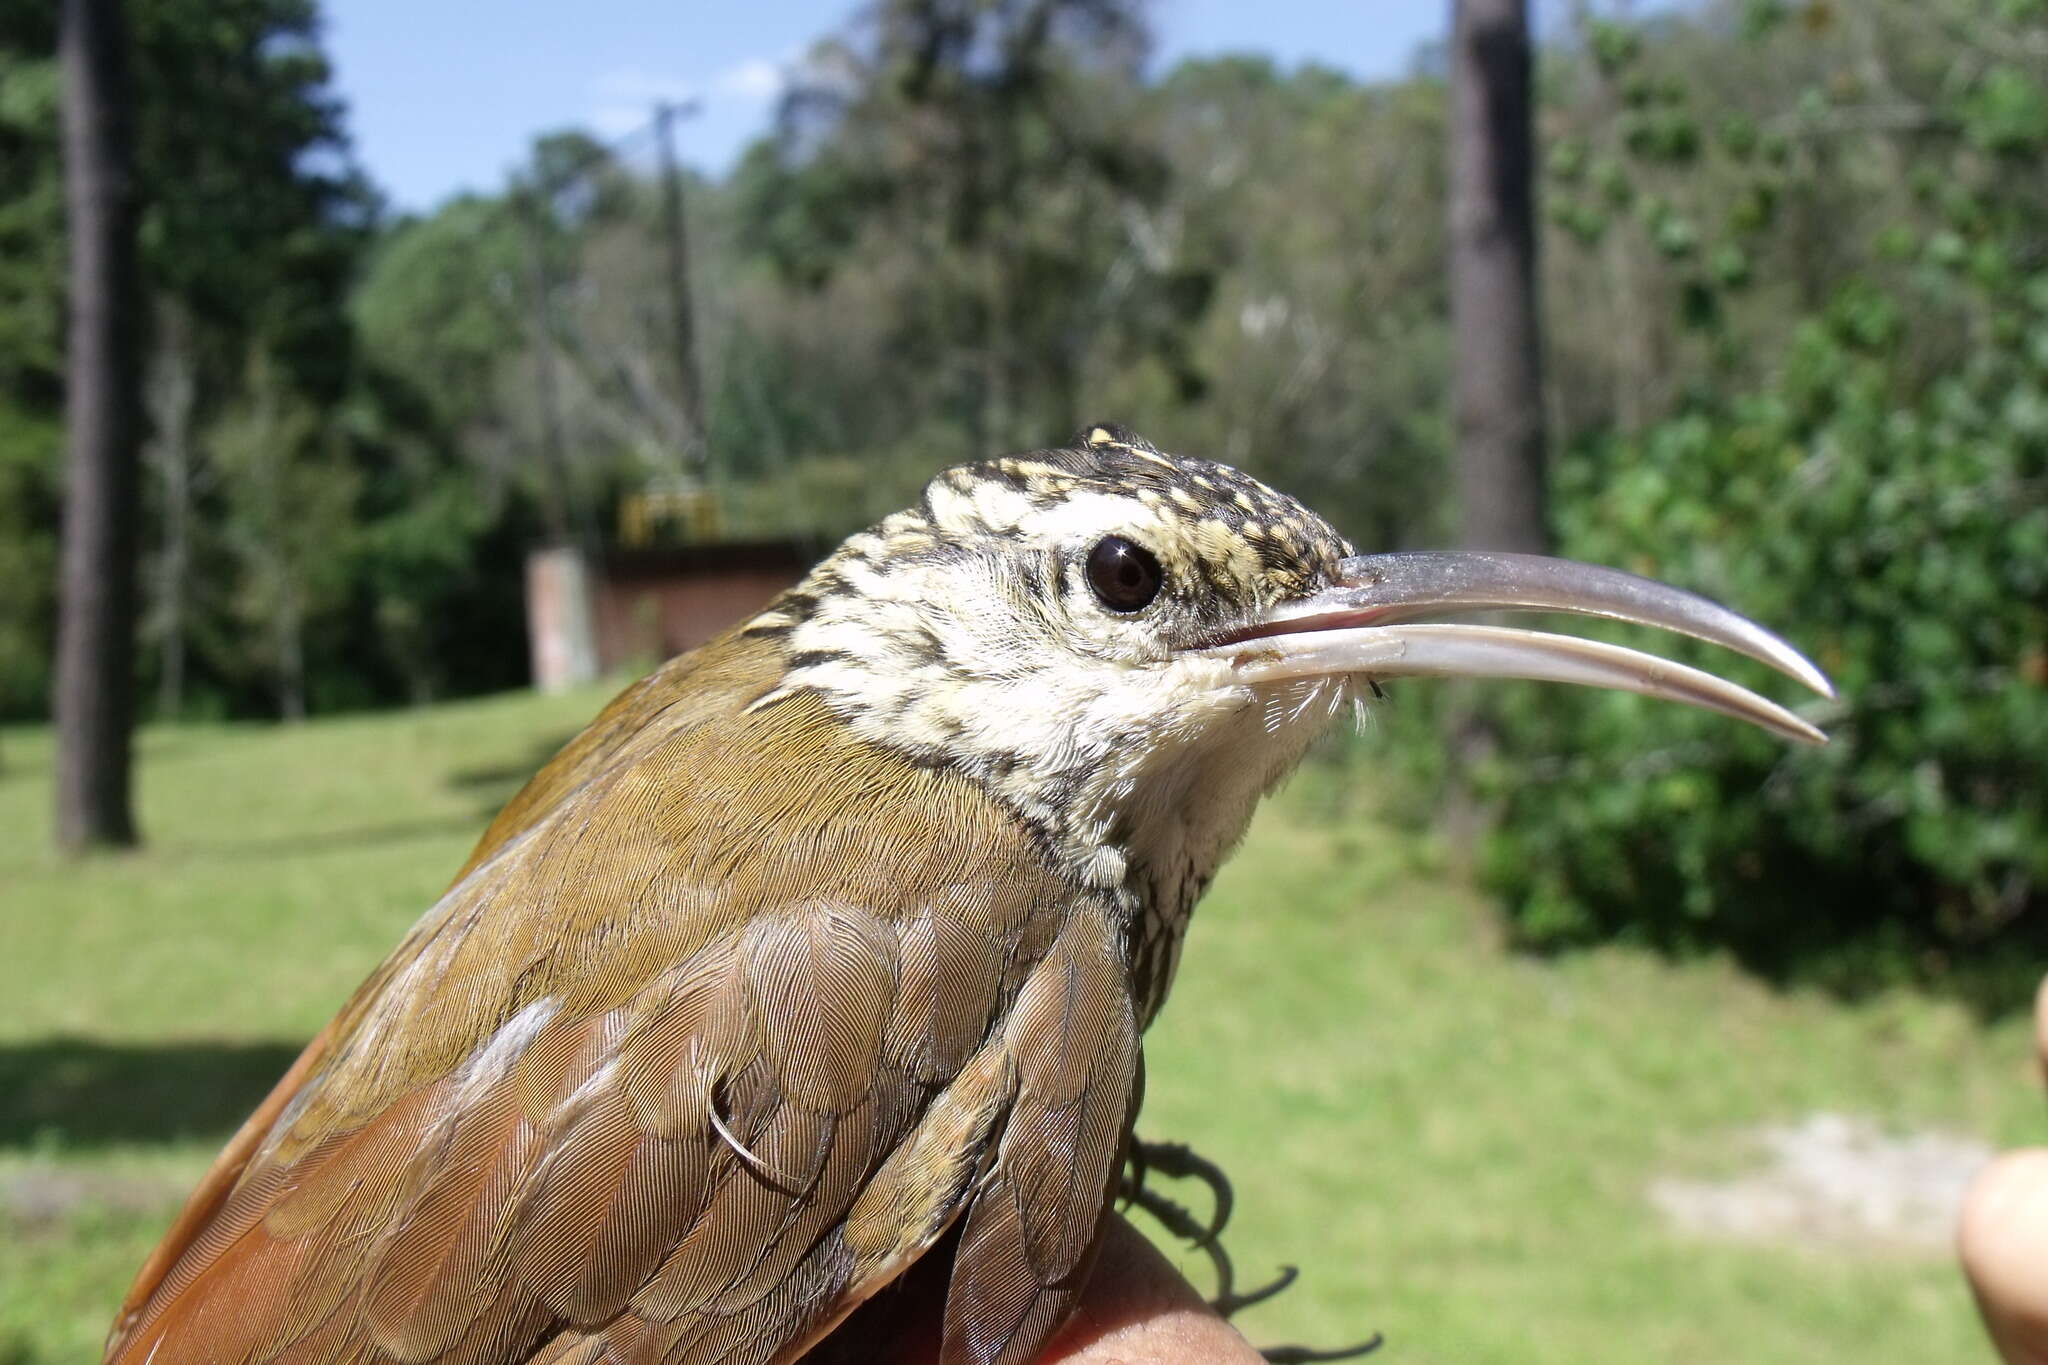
(1452, 1141)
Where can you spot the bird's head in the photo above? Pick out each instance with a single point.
(1128, 648)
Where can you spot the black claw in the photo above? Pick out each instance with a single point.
(1181, 1162)
(1172, 1216)
(1177, 1161)
(1237, 1303)
(1133, 1179)
(1304, 1355)
(1182, 1224)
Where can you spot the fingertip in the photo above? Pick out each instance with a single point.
(2002, 1241)
(1139, 1310)
(2004, 1190)
(2041, 1024)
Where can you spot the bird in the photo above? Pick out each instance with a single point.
(825, 952)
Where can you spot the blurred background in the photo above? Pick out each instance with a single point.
(449, 371)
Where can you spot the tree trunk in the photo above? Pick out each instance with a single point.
(95, 702)
(1498, 385)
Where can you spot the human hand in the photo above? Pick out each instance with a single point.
(2002, 1238)
(1136, 1310)
(1139, 1310)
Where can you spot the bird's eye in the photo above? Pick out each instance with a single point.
(1125, 575)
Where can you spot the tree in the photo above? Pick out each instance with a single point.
(254, 220)
(979, 158)
(1497, 378)
(288, 522)
(96, 629)
(1838, 237)
(250, 219)
(1309, 346)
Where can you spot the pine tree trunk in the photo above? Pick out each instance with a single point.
(1498, 384)
(95, 701)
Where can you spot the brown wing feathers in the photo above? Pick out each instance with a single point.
(1028, 1241)
(646, 1089)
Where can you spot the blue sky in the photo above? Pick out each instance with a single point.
(442, 99)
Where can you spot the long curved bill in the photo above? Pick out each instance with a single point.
(1358, 628)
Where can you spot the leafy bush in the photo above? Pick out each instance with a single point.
(1845, 436)
(1901, 537)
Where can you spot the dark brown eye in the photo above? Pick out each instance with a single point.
(1124, 575)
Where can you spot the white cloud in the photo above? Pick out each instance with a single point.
(624, 100)
(754, 79)
(616, 120)
(634, 86)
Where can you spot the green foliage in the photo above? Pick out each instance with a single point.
(971, 171)
(2007, 113)
(31, 227)
(1879, 492)
(439, 297)
(28, 553)
(288, 523)
(252, 217)
(1319, 356)
(1904, 548)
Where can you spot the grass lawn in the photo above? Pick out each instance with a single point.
(1452, 1141)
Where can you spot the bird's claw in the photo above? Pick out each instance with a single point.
(1179, 1161)
(1303, 1355)
(1237, 1303)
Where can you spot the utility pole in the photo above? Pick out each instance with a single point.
(682, 315)
(95, 702)
(558, 577)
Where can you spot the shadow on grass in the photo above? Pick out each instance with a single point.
(494, 784)
(491, 786)
(76, 1092)
(330, 841)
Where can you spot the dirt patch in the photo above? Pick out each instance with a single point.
(1834, 1182)
(45, 1202)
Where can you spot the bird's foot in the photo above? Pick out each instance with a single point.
(1302, 1355)
(1178, 1161)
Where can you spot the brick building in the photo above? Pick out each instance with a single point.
(589, 614)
